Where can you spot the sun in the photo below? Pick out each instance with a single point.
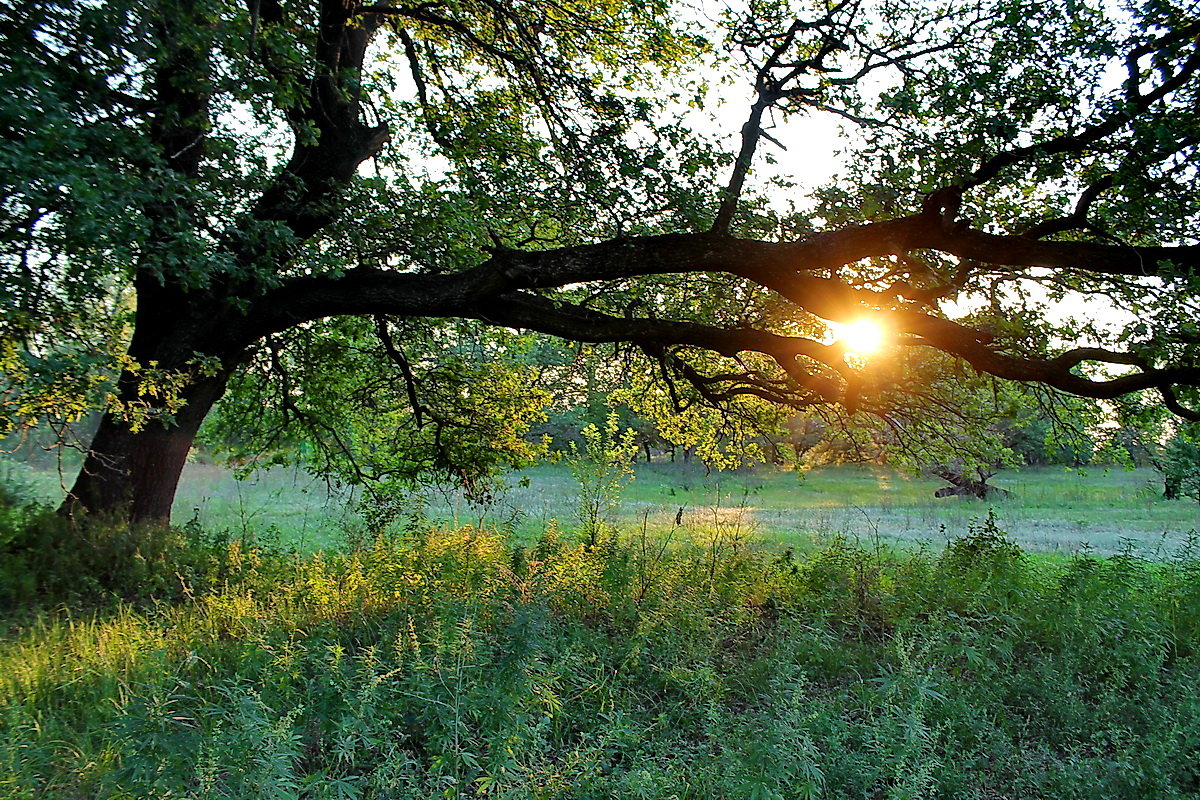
(862, 337)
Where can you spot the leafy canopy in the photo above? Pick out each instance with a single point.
(376, 205)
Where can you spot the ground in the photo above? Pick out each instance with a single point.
(1052, 509)
(458, 662)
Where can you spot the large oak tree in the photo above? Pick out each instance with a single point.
(195, 195)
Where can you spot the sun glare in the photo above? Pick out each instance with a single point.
(861, 337)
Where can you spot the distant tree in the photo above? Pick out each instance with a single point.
(320, 203)
(1129, 447)
(1064, 437)
(1146, 436)
(1181, 464)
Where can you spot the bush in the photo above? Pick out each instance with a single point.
(17, 505)
(47, 559)
(1181, 464)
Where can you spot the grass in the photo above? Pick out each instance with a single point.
(1052, 510)
(767, 643)
(752, 635)
(283, 503)
(454, 663)
(755, 634)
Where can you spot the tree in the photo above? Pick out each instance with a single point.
(1181, 464)
(1145, 435)
(195, 195)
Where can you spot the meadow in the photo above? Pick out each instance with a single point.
(1051, 510)
(456, 664)
(762, 644)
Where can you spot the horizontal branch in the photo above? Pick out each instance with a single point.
(1058, 372)
(503, 290)
(819, 384)
(1098, 259)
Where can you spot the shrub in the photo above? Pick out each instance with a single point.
(47, 559)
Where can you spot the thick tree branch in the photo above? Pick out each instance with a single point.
(500, 291)
(1099, 259)
(752, 131)
(1058, 372)
(302, 197)
(784, 267)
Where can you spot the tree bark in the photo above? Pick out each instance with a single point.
(134, 463)
(1170, 487)
(134, 473)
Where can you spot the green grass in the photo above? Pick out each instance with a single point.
(453, 664)
(284, 503)
(789, 638)
(303, 511)
(1052, 509)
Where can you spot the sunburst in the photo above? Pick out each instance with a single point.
(860, 338)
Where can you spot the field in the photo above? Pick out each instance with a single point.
(1051, 509)
(452, 664)
(903, 647)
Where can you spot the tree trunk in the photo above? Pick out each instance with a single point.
(1171, 487)
(134, 474)
(132, 471)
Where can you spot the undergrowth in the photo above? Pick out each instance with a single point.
(451, 663)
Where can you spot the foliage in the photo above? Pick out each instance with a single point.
(1063, 438)
(602, 468)
(1181, 463)
(1145, 434)
(985, 547)
(18, 504)
(326, 204)
(331, 398)
(735, 435)
(47, 559)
